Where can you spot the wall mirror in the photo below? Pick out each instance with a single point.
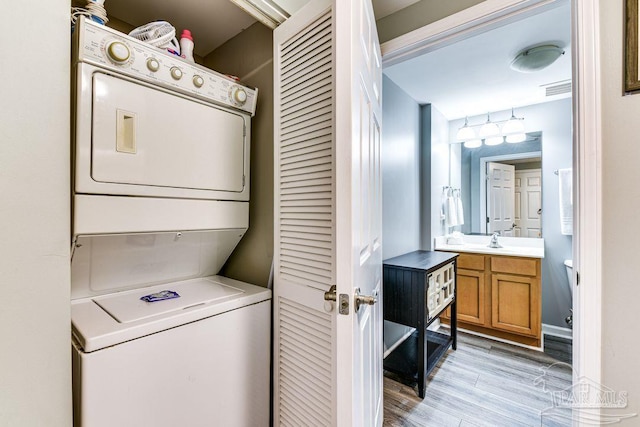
(502, 188)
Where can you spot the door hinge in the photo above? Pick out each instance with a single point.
(577, 278)
(487, 220)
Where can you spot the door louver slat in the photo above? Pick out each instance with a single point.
(305, 241)
(320, 109)
(309, 137)
(317, 85)
(305, 365)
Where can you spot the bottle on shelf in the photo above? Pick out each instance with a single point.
(186, 45)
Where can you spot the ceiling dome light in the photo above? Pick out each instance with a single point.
(536, 58)
(473, 143)
(489, 129)
(465, 133)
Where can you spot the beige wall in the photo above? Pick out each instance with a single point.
(35, 345)
(418, 15)
(621, 203)
(249, 56)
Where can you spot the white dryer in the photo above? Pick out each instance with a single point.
(160, 200)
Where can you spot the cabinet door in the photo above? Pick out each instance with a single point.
(471, 296)
(515, 304)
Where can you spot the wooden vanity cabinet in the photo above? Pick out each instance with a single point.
(516, 295)
(473, 295)
(500, 296)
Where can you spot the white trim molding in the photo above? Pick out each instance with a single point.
(557, 331)
(459, 26)
(587, 162)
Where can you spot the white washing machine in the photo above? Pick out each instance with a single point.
(160, 200)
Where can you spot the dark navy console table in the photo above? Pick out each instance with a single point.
(417, 288)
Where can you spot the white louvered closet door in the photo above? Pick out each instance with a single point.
(327, 366)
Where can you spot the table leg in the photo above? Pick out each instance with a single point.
(454, 324)
(422, 358)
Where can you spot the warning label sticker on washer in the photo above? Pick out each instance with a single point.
(160, 296)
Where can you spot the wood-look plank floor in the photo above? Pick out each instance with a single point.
(483, 383)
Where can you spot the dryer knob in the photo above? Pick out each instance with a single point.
(153, 64)
(118, 52)
(198, 81)
(176, 73)
(238, 95)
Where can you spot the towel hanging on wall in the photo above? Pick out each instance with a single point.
(565, 192)
(459, 210)
(450, 210)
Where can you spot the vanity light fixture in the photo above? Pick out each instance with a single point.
(489, 129)
(465, 133)
(513, 131)
(494, 140)
(473, 143)
(515, 138)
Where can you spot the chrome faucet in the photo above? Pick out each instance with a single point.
(494, 241)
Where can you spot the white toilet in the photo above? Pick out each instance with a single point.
(568, 263)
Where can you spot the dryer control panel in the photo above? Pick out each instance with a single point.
(110, 49)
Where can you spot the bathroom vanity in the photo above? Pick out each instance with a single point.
(418, 287)
(499, 289)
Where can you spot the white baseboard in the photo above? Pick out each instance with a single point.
(502, 340)
(557, 331)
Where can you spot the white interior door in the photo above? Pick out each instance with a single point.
(500, 198)
(327, 356)
(359, 212)
(528, 203)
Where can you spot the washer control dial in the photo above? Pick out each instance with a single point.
(198, 81)
(176, 73)
(238, 95)
(153, 64)
(118, 52)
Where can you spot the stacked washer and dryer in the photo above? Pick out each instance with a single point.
(160, 200)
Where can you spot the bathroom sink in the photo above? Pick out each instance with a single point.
(512, 246)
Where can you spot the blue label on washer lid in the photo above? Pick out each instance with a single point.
(160, 296)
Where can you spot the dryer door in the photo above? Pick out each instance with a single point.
(147, 141)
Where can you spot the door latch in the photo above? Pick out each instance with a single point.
(343, 304)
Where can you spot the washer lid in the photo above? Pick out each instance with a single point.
(126, 317)
(128, 307)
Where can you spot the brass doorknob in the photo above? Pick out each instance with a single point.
(331, 295)
(365, 299)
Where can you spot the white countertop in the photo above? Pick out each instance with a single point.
(512, 246)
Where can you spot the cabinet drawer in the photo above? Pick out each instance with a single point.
(471, 261)
(522, 266)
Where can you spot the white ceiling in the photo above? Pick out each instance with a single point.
(473, 76)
